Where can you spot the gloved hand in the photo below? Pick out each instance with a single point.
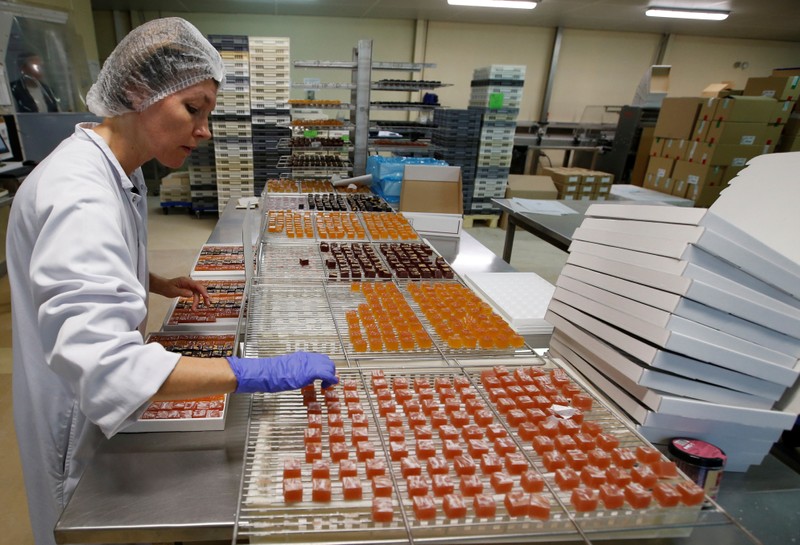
(281, 373)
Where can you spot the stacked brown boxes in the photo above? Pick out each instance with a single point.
(700, 144)
(784, 86)
(580, 184)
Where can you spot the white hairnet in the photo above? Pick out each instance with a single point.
(153, 61)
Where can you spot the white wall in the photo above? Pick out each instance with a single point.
(697, 61)
(458, 49)
(598, 68)
(595, 68)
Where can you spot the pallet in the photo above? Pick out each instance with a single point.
(490, 219)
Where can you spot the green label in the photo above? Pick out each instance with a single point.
(310, 133)
(345, 138)
(496, 101)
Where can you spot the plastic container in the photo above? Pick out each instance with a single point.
(700, 461)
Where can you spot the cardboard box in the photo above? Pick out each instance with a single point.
(747, 109)
(733, 155)
(531, 187)
(782, 112)
(698, 152)
(789, 144)
(677, 117)
(700, 130)
(704, 197)
(674, 149)
(717, 89)
(777, 87)
(686, 174)
(432, 195)
(653, 87)
(731, 132)
(657, 147)
(786, 72)
(792, 126)
(567, 181)
(658, 175)
(528, 187)
(707, 109)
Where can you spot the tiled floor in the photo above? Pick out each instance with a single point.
(175, 239)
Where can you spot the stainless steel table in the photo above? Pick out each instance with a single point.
(184, 486)
(557, 230)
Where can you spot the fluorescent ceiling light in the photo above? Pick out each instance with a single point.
(706, 15)
(513, 4)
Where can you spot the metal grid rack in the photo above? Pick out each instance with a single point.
(287, 316)
(278, 433)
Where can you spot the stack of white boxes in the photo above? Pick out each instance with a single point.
(497, 92)
(269, 98)
(231, 123)
(689, 319)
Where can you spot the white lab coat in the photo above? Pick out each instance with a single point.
(77, 264)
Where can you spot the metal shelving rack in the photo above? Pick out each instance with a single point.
(361, 86)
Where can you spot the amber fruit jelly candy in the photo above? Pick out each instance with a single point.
(612, 496)
(666, 495)
(531, 481)
(347, 468)
(618, 476)
(553, 460)
(291, 469)
(584, 499)
(417, 485)
(424, 507)
(484, 506)
(382, 510)
(321, 490)
(517, 503)
(382, 486)
(623, 457)
(606, 442)
(644, 475)
(638, 496)
(647, 454)
(567, 478)
(292, 490)
(691, 493)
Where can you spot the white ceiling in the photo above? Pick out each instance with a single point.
(754, 19)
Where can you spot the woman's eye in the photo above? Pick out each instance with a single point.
(191, 109)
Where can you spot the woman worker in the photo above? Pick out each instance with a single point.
(77, 261)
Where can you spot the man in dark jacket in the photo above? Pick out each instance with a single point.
(30, 91)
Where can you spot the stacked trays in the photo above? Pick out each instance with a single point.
(456, 139)
(203, 176)
(233, 147)
(269, 95)
(497, 94)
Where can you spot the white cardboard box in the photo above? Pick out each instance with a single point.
(428, 223)
(652, 356)
(701, 277)
(631, 375)
(691, 339)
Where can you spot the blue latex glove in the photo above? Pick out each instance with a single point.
(281, 373)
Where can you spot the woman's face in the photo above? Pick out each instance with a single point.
(174, 126)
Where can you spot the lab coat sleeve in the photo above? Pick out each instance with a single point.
(90, 301)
